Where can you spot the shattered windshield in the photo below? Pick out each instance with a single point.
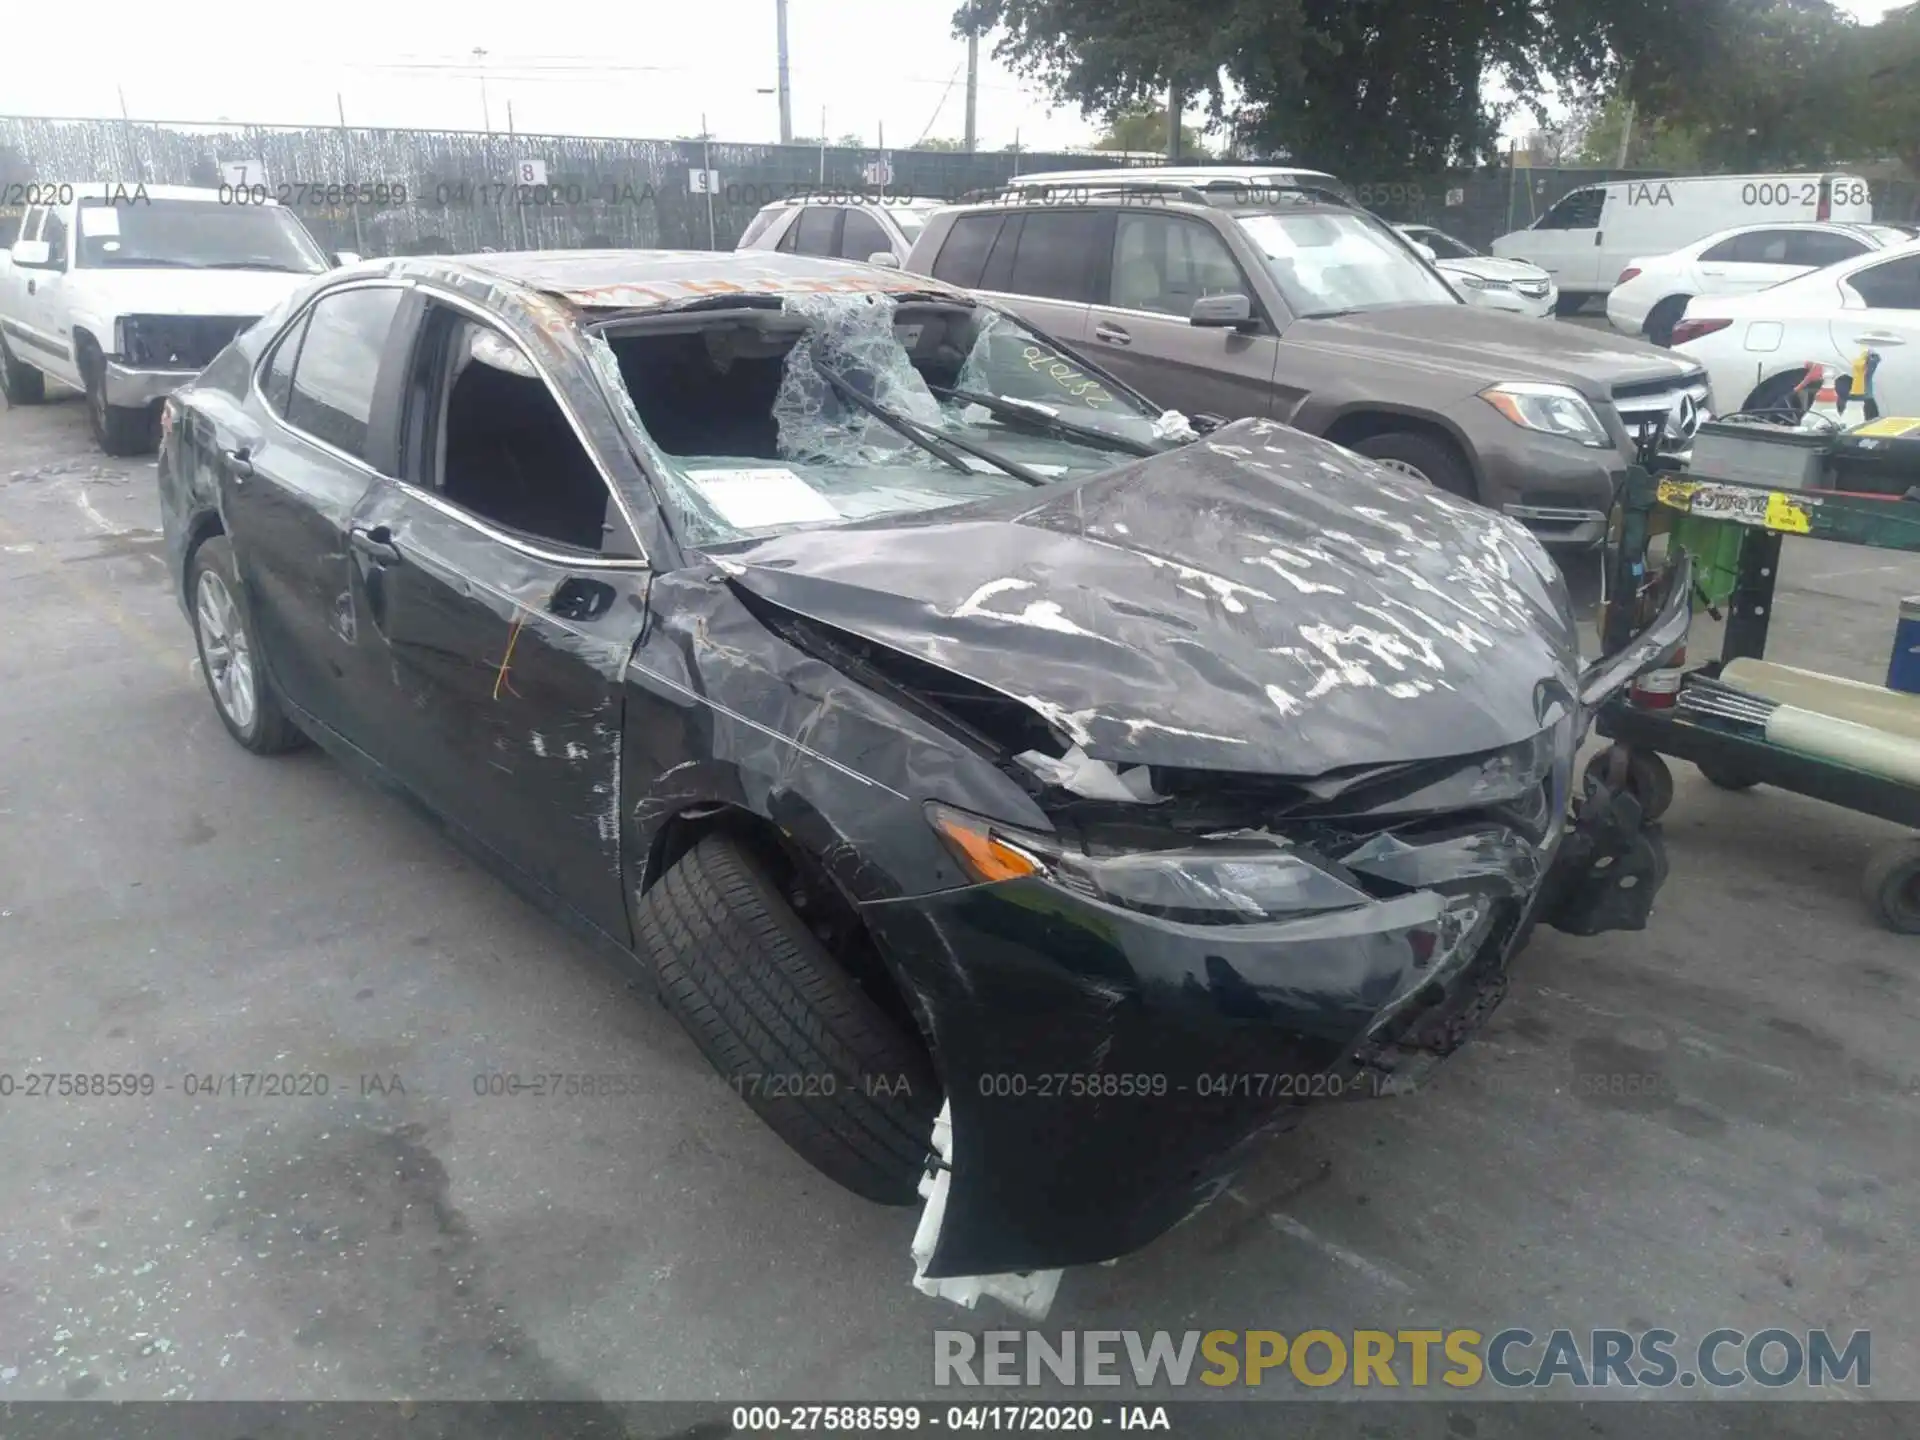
(844, 407)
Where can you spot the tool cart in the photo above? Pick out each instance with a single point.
(1729, 532)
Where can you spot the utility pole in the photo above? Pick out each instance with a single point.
(786, 91)
(1626, 137)
(1176, 106)
(486, 119)
(973, 89)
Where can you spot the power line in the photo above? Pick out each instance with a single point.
(934, 119)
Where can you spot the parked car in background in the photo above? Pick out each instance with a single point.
(1252, 181)
(1593, 233)
(125, 292)
(1305, 310)
(916, 712)
(1757, 346)
(870, 231)
(1652, 292)
(1487, 280)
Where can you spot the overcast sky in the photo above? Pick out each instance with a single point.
(645, 69)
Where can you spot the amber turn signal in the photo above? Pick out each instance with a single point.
(985, 857)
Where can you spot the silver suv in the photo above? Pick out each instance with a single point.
(1294, 306)
(873, 231)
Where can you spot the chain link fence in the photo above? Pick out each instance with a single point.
(386, 192)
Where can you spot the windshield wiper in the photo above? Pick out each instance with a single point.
(942, 446)
(1031, 412)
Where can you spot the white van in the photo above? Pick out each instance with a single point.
(1589, 237)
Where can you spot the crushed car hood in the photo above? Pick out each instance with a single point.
(1480, 347)
(1259, 601)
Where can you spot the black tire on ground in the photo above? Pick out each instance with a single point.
(1648, 780)
(1727, 774)
(786, 1025)
(1663, 317)
(1436, 461)
(1772, 395)
(1892, 885)
(1569, 304)
(266, 730)
(117, 429)
(22, 384)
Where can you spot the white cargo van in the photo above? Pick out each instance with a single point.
(1588, 237)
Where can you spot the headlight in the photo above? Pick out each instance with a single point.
(1232, 882)
(1472, 282)
(1555, 409)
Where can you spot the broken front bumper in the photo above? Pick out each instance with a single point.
(1107, 1071)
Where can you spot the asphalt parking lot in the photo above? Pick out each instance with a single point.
(173, 906)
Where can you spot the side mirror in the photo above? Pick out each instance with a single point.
(346, 257)
(1206, 423)
(886, 259)
(31, 252)
(1222, 312)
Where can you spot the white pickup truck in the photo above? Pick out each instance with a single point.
(126, 292)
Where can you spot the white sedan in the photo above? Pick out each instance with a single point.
(1756, 347)
(1653, 291)
(1487, 280)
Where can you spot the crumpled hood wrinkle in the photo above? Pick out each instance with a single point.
(1260, 601)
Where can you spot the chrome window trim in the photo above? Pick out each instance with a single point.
(578, 560)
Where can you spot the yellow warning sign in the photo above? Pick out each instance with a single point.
(1784, 513)
(1887, 425)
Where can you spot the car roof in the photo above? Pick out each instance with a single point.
(827, 196)
(1186, 173)
(642, 279)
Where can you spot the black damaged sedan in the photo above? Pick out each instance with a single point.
(1025, 800)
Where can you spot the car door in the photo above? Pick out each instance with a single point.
(502, 592)
(1881, 316)
(1565, 241)
(35, 328)
(292, 465)
(1161, 263)
(1753, 260)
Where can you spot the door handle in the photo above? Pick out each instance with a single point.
(32, 288)
(375, 544)
(1880, 339)
(238, 465)
(1112, 334)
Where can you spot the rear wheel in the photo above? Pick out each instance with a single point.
(1663, 317)
(787, 1025)
(1423, 458)
(230, 656)
(22, 384)
(1892, 885)
(1773, 397)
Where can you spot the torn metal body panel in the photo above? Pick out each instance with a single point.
(1137, 787)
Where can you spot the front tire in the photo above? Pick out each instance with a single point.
(1421, 457)
(22, 384)
(1565, 304)
(786, 1025)
(119, 430)
(230, 654)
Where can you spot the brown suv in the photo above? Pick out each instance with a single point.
(1295, 307)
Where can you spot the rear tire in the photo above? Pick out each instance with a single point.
(786, 1025)
(230, 655)
(22, 384)
(1892, 885)
(120, 430)
(1421, 457)
(1663, 317)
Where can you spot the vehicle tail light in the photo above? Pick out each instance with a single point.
(1627, 274)
(1687, 330)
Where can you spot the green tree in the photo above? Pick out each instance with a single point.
(1366, 87)
(938, 142)
(1144, 128)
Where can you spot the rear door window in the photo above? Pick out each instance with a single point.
(963, 257)
(1894, 285)
(339, 365)
(1056, 256)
